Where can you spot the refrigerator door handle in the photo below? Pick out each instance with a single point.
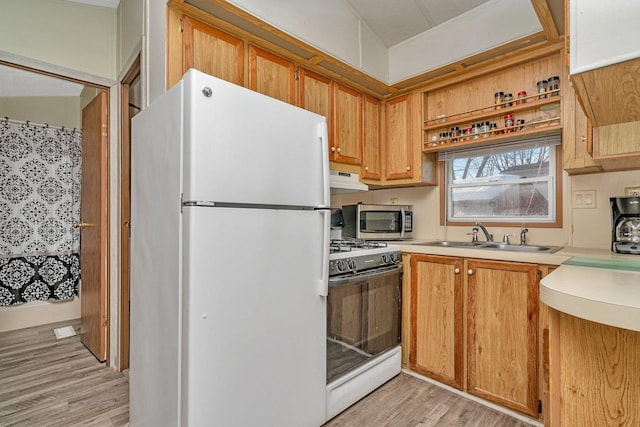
(324, 146)
(323, 283)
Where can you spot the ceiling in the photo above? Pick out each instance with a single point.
(398, 20)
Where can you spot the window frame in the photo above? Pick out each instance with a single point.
(557, 223)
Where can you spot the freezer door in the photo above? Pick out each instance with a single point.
(255, 324)
(247, 148)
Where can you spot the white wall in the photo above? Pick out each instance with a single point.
(71, 35)
(130, 31)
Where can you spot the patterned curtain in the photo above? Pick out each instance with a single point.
(40, 169)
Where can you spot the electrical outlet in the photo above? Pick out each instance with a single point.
(632, 191)
(394, 200)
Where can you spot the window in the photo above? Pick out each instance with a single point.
(513, 183)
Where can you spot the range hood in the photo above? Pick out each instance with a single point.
(346, 182)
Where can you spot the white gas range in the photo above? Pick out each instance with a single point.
(363, 320)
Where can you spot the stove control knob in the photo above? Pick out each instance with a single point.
(342, 265)
(385, 259)
(351, 264)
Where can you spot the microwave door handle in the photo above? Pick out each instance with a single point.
(402, 222)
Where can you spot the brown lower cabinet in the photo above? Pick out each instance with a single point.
(474, 326)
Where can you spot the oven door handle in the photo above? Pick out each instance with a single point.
(345, 279)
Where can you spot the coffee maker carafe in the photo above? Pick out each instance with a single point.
(625, 225)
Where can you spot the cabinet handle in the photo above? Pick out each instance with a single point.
(456, 270)
(338, 149)
(366, 168)
(408, 168)
(333, 149)
(469, 272)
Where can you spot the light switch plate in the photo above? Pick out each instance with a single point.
(584, 199)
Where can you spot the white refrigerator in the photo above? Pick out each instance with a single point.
(229, 259)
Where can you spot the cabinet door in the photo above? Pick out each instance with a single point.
(502, 333)
(347, 125)
(271, 75)
(398, 138)
(315, 94)
(212, 51)
(436, 318)
(371, 139)
(577, 141)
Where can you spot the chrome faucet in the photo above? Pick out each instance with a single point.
(488, 236)
(523, 236)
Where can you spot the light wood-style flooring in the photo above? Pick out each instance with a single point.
(406, 401)
(50, 382)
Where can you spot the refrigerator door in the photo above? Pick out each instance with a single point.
(246, 148)
(254, 322)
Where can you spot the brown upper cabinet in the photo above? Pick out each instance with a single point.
(346, 144)
(271, 75)
(604, 59)
(371, 148)
(577, 137)
(399, 141)
(212, 51)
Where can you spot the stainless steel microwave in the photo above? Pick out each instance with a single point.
(378, 222)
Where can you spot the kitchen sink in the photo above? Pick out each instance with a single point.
(447, 243)
(493, 246)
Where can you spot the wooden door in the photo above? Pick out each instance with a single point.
(94, 226)
(271, 75)
(347, 125)
(212, 51)
(436, 318)
(502, 333)
(398, 138)
(371, 139)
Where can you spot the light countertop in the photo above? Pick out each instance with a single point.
(609, 296)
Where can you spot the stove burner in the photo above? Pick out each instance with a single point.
(338, 245)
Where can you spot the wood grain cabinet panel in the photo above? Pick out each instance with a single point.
(212, 51)
(594, 373)
(271, 75)
(371, 150)
(315, 94)
(502, 333)
(577, 137)
(398, 138)
(436, 318)
(347, 125)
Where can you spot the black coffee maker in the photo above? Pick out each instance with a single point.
(625, 225)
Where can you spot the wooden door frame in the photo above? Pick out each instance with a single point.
(99, 83)
(125, 210)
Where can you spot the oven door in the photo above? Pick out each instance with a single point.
(363, 318)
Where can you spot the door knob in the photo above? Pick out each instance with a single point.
(80, 224)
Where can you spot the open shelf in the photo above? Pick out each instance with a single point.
(539, 127)
(527, 103)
